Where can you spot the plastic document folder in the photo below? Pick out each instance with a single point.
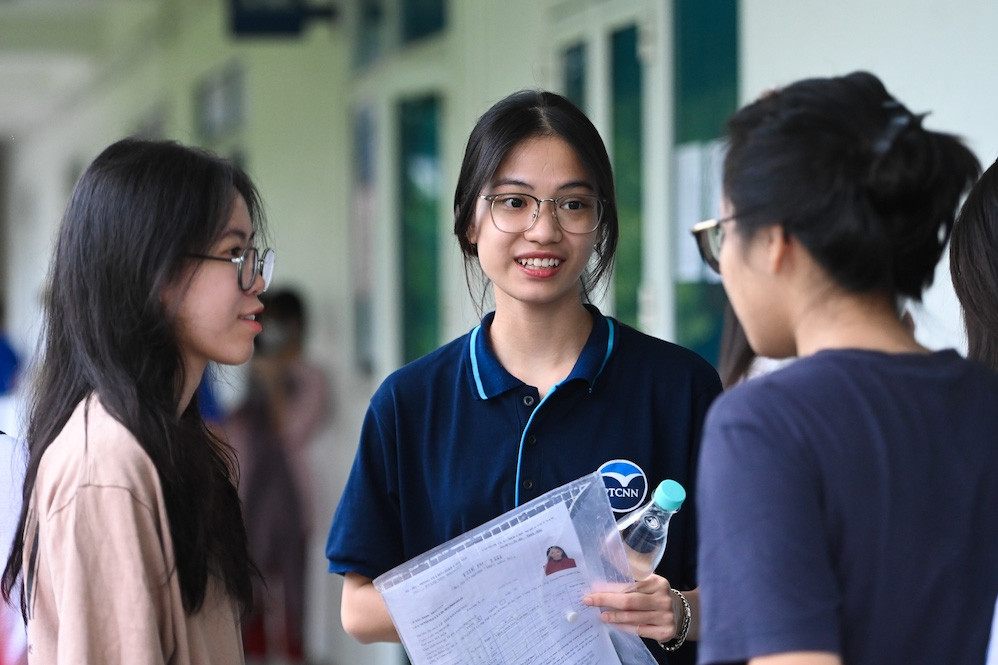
(510, 592)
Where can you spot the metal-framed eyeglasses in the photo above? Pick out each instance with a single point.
(709, 235)
(514, 212)
(248, 266)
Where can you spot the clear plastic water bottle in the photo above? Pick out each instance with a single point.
(644, 530)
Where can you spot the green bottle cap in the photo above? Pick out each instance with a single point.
(669, 495)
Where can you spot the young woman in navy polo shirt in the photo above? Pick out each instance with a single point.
(544, 391)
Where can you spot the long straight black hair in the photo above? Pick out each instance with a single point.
(974, 267)
(134, 215)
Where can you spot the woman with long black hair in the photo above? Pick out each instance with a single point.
(130, 546)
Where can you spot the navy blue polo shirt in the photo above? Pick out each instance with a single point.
(452, 440)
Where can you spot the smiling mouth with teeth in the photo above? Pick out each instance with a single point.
(539, 263)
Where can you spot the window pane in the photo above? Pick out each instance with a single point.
(573, 67)
(627, 132)
(421, 18)
(362, 232)
(706, 56)
(701, 309)
(706, 93)
(371, 32)
(420, 198)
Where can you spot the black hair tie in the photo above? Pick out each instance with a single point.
(900, 119)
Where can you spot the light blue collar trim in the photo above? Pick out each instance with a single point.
(609, 348)
(474, 362)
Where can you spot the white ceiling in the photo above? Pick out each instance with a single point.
(35, 85)
(51, 49)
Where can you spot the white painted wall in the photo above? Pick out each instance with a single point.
(933, 55)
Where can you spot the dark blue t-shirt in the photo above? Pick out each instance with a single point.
(452, 440)
(849, 504)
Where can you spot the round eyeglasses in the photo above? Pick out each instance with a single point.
(516, 213)
(709, 235)
(248, 266)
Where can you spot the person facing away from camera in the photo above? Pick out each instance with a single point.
(546, 390)
(974, 267)
(847, 501)
(130, 546)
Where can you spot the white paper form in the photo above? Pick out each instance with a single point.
(510, 592)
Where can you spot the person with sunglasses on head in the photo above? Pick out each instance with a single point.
(847, 501)
(130, 547)
(544, 391)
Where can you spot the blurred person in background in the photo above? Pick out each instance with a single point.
(12, 642)
(287, 400)
(974, 270)
(10, 371)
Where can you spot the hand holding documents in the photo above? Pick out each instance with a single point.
(511, 590)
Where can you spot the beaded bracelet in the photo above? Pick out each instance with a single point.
(684, 629)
